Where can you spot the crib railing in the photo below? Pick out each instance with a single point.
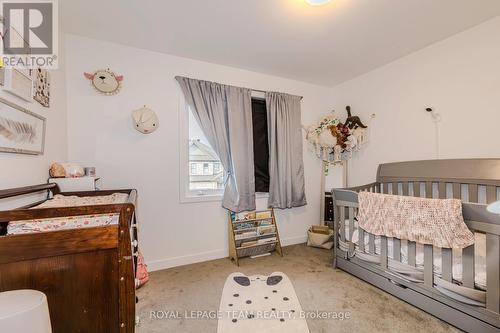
(474, 196)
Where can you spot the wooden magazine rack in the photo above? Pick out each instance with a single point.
(253, 233)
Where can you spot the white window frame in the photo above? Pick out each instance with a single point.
(185, 194)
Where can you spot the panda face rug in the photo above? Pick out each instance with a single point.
(260, 303)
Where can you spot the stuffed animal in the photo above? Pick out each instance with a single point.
(145, 120)
(336, 132)
(353, 121)
(57, 171)
(68, 170)
(319, 135)
(331, 137)
(73, 170)
(327, 140)
(105, 81)
(311, 134)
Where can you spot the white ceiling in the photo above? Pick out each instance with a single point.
(324, 44)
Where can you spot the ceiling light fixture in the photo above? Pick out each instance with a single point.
(317, 2)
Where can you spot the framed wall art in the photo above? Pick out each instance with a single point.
(2, 76)
(41, 86)
(21, 131)
(19, 83)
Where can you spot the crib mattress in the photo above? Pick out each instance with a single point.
(72, 222)
(480, 255)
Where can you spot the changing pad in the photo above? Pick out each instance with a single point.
(72, 222)
(60, 200)
(61, 223)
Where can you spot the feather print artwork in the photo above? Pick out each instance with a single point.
(21, 131)
(16, 131)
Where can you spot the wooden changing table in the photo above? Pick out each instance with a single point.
(88, 274)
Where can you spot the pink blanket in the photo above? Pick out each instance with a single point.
(437, 222)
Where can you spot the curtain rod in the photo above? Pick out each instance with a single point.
(264, 91)
(258, 90)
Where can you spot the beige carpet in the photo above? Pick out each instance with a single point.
(163, 302)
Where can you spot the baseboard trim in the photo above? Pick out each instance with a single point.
(293, 240)
(157, 265)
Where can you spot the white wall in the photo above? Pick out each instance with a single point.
(101, 134)
(459, 77)
(21, 170)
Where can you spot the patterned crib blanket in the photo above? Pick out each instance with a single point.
(437, 222)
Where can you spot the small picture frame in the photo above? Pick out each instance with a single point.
(21, 131)
(2, 77)
(41, 86)
(19, 83)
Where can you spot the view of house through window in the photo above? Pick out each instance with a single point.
(205, 170)
(206, 175)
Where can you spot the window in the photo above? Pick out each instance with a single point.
(260, 145)
(193, 169)
(216, 168)
(202, 176)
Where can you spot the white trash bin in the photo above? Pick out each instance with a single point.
(23, 311)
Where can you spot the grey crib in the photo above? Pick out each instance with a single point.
(477, 183)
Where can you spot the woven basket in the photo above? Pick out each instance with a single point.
(319, 239)
(256, 250)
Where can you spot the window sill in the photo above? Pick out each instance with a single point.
(262, 195)
(201, 198)
(215, 197)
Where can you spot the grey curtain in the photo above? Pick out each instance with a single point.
(286, 166)
(224, 114)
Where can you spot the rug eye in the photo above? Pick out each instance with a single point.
(274, 280)
(242, 280)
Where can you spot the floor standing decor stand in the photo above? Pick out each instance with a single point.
(334, 142)
(253, 234)
(324, 169)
